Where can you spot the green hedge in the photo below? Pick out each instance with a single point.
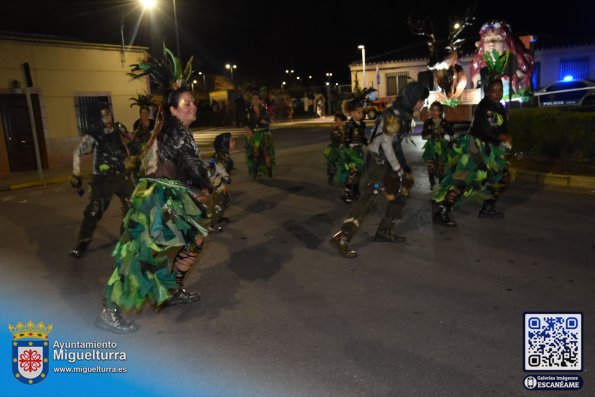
(553, 133)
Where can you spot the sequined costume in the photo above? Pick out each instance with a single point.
(387, 172)
(435, 150)
(220, 169)
(352, 158)
(332, 153)
(109, 147)
(260, 148)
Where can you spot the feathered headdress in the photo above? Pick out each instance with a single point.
(165, 73)
(142, 101)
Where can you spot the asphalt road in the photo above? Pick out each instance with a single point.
(282, 314)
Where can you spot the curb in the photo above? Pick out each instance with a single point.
(559, 180)
(34, 183)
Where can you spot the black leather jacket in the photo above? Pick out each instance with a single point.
(178, 157)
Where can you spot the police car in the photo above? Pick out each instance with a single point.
(567, 92)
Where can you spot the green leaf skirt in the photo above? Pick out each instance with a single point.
(163, 218)
(474, 167)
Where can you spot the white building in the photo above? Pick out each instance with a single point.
(555, 58)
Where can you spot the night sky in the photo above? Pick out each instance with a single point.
(264, 38)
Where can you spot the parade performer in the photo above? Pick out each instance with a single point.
(141, 131)
(332, 151)
(386, 171)
(220, 169)
(108, 144)
(478, 167)
(435, 150)
(260, 148)
(164, 230)
(351, 154)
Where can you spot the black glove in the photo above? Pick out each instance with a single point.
(76, 182)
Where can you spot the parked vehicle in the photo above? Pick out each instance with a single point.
(373, 108)
(567, 93)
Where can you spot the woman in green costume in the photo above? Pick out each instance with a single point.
(164, 228)
(260, 148)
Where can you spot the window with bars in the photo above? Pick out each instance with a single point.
(87, 115)
(394, 83)
(577, 67)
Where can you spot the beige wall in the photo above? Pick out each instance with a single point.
(412, 67)
(63, 70)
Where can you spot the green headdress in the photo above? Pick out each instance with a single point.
(496, 66)
(165, 73)
(142, 101)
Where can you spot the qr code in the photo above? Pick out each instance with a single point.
(553, 341)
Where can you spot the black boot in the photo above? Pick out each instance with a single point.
(347, 197)
(180, 295)
(385, 233)
(340, 242)
(110, 318)
(80, 248)
(441, 217)
(488, 210)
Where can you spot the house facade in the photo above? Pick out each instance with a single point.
(555, 58)
(67, 78)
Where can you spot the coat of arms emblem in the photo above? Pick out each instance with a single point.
(30, 351)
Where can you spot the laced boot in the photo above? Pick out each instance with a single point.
(340, 242)
(110, 318)
(488, 210)
(80, 249)
(180, 295)
(441, 216)
(347, 197)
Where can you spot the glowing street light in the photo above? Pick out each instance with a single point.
(363, 48)
(146, 5)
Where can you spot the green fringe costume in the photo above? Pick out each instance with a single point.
(163, 215)
(261, 137)
(476, 167)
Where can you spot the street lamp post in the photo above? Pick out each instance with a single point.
(231, 69)
(328, 91)
(176, 28)
(147, 5)
(204, 81)
(363, 48)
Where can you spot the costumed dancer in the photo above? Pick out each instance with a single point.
(435, 149)
(220, 169)
(141, 131)
(164, 230)
(332, 151)
(478, 167)
(352, 156)
(109, 145)
(386, 171)
(260, 148)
